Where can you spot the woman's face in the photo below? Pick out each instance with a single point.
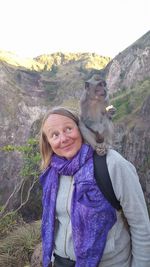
(63, 135)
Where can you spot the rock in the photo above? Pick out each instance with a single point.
(129, 66)
(36, 259)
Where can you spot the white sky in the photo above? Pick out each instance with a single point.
(106, 27)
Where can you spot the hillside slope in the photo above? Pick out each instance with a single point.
(130, 66)
(26, 94)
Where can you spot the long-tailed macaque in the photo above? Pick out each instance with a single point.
(95, 115)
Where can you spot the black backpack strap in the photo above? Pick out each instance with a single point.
(103, 180)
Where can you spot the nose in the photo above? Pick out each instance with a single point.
(63, 137)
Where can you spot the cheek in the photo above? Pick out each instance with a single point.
(54, 144)
(78, 138)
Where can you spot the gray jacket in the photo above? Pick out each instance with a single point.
(128, 242)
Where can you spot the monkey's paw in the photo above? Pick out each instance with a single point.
(111, 110)
(101, 149)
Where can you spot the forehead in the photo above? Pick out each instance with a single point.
(56, 121)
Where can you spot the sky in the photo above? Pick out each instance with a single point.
(30, 28)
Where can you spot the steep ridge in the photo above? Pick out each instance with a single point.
(130, 66)
(128, 79)
(26, 94)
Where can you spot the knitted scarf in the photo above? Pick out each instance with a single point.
(92, 216)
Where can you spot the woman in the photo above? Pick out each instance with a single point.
(79, 227)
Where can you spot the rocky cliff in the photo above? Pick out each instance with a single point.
(128, 79)
(130, 66)
(26, 94)
(21, 105)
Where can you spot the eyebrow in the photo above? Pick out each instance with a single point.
(65, 124)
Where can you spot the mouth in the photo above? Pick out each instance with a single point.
(99, 93)
(68, 147)
(99, 96)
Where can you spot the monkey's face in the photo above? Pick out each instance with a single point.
(97, 92)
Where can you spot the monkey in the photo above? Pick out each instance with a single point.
(95, 121)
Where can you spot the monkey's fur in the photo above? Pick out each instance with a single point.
(95, 120)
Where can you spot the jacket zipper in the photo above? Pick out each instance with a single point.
(68, 217)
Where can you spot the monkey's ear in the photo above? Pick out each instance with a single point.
(86, 85)
(102, 83)
(105, 84)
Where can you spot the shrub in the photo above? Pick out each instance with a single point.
(17, 248)
(9, 223)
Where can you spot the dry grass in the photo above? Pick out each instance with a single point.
(17, 248)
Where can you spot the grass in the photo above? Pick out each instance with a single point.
(9, 223)
(17, 248)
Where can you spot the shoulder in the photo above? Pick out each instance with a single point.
(122, 173)
(115, 161)
(115, 158)
(120, 169)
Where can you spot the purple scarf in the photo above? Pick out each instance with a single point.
(92, 216)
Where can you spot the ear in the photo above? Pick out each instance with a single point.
(102, 83)
(105, 84)
(86, 85)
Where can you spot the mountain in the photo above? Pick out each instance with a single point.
(49, 61)
(128, 80)
(25, 96)
(26, 92)
(130, 66)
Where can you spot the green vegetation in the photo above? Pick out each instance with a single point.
(17, 248)
(29, 186)
(88, 60)
(51, 89)
(9, 223)
(31, 159)
(96, 62)
(31, 156)
(129, 101)
(54, 69)
(30, 193)
(15, 60)
(17, 238)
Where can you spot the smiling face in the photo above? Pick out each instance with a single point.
(63, 135)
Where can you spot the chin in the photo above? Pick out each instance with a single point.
(70, 154)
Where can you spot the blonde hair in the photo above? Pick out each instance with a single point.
(45, 148)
